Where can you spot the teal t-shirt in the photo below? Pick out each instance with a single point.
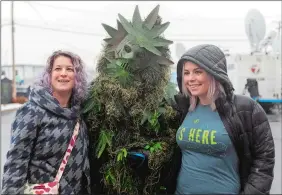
(209, 160)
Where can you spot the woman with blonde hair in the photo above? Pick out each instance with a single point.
(224, 142)
(49, 149)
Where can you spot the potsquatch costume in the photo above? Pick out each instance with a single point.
(129, 113)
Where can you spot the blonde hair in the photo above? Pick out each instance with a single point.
(215, 90)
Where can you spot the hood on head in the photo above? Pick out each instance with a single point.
(43, 98)
(211, 59)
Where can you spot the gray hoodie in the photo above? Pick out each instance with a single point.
(211, 59)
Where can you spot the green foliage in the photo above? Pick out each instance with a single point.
(152, 17)
(154, 147)
(128, 104)
(145, 37)
(170, 92)
(110, 178)
(154, 122)
(121, 154)
(118, 70)
(91, 103)
(116, 35)
(105, 139)
(130, 37)
(152, 118)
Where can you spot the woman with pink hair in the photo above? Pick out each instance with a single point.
(224, 142)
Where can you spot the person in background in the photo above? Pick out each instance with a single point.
(19, 81)
(225, 144)
(43, 128)
(3, 75)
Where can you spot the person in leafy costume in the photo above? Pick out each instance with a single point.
(129, 110)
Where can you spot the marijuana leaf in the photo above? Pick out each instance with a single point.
(150, 60)
(170, 91)
(91, 103)
(109, 176)
(146, 116)
(158, 30)
(122, 154)
(105, 138)
(116, 35)
(154, 122)
(144, 35)
(153, 147)
(152, 18)
(138, 36)
(136, 20)
(118, 70)
(158, 146)
(147, 147)
(132, 37)
(152, 118)
(110, 30)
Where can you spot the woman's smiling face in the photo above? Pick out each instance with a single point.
(196, 79)
(62, 75)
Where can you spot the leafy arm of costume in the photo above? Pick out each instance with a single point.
(23, 135)
(261, 176)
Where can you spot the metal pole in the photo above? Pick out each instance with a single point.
(14, 94)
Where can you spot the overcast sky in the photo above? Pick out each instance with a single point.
(189, 21)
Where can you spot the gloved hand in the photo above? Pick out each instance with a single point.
(137, 160)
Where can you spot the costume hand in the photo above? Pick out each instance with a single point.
(137, 159)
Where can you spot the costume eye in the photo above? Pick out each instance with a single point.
(127, 49)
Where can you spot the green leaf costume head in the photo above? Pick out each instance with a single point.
(136, 49)
(128, 107)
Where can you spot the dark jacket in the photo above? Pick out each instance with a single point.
(245, 121)
(41, 134)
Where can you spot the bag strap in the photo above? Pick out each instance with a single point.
(67, 154)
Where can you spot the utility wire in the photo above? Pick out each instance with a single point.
(50, 28)
(70, 9)
(65, 8)
(7, 24)
(100, 35)
(37, 12)
(59, 30)
(177, 18)
(75, 32)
